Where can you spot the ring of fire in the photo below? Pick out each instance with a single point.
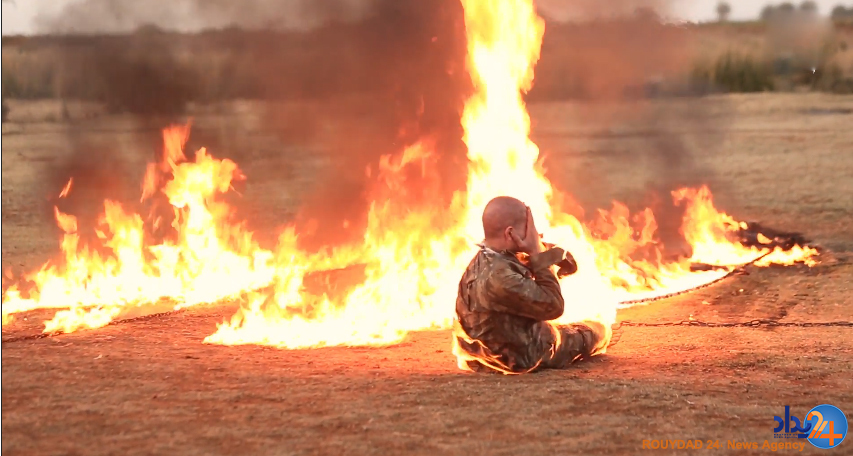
(404, 274)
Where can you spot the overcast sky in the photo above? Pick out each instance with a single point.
(18, 15)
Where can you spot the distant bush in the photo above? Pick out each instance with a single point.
(841, 13)
(734, 73)
(28, 75)
(159, 72)
(701, 79)
(831, 78)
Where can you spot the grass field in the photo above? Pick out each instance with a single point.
(619, 56)
(153, 387)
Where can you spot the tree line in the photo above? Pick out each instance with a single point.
(787, 9)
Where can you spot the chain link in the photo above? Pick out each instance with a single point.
(758, 322)
(112, 323)
(743, 324)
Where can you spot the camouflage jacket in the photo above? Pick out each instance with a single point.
(503, 304)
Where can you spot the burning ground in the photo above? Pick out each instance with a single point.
(119, 388)
(412, 243)
(198, 255)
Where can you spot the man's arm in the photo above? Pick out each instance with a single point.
(539, 298)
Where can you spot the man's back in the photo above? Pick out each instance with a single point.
(504, 305)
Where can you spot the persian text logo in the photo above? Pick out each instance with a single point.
(825, 426)
(800, 430)
(829, 426)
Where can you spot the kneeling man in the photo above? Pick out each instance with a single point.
(505, 303)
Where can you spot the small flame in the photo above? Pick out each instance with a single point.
(67, 188)
(68, 223)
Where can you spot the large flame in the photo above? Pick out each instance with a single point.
(403, 276)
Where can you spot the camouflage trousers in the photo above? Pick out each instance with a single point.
(575, 342)
(553, 349)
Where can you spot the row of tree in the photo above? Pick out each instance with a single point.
(840, 12)
(769, 12)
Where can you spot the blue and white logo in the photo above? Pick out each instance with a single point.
(828, 426)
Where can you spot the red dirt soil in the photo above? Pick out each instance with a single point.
(152, 387)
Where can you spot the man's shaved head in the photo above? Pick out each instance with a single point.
(503, 212)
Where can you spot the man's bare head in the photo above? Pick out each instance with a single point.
(501, 217)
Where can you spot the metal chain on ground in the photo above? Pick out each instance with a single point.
(758, 322)
(112, 323)
(736, 269)
(743, 324)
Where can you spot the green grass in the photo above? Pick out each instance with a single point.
(733, 72)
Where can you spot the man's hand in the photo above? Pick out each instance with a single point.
(530, 244)
(567, 267)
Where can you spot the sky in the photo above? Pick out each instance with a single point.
(18, 15)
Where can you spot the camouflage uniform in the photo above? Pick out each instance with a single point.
(503, 307)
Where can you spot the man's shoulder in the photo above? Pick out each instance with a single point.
(495, 258)
(489, 263)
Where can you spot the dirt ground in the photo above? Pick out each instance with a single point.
(153, 387)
